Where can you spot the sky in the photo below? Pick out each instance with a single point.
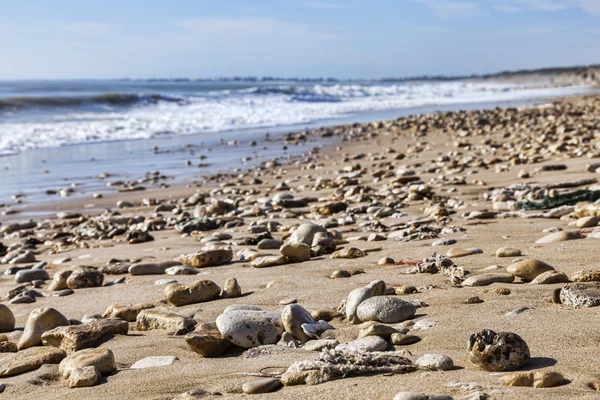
(79, 39)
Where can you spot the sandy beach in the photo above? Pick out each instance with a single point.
(390, 189)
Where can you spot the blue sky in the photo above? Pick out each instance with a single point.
(59, 39)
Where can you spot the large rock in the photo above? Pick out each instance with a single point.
(502, 351)
(579, 295)
(39, 321)
(101, 359)
(550, 277)
(78, 337)
(208, 344)
(126, 313)
(386, 309)
(59, 281)
(369, 343)
(160, 318)
(528, 269)
(293, 316)
(83, 377)
(249, 328)
(29, 360)
(85, 277)
(197, 292)
(305, 234)
(207, 257)
(296, 252)
(357, 296)
(7, 319)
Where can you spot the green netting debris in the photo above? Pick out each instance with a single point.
(567, 199)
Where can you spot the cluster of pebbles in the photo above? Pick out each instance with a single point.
(364, 202)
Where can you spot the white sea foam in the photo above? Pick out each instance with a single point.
(248, 108)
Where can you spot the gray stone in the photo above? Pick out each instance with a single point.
(435, 362)
(320, 344)
(386, 309)
(369, 343)
(488, 279)
(420, 396)
(29, 275)
(305, 234)
(293, 316)
(231, 289)
(357, 296)
(85, 277)
(266, 385)
(248, 328)
(580, 295)
(78, 337)
(154, 361)
(269, 244)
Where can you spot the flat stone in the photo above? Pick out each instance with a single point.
(7, 319)
(126, 313)
(39, 321)
(590, 275)
(502, 351)
(29, 275)
(160, 318)
(292, 317)
(435, 362)
(320, 344)
(269, 244)
(197, 292)
(458, 252)
(528, 269)
(159, 268)
(369, 343)
(384, 331)
(207, 258)
(587, 222)
(266, 385)
(181, 270)
(357, 296)
(101, 359)
(29, 360)
(295, 252)
(154, 362)
(78, 337)
(349, 253)
(550, 277)
(386, 309)
(400, 339)
(443, 242)
(538, 379)
(559, 237)
(488, 279)
(208, 344)
(249, 328)
(579, 295)
(508, 252)
(83, 377)
(63, 293)
(269, 261)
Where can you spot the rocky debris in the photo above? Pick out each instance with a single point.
(160, 318)
(528, 269)
(503, 351)
(29, 359)
(338, 364)
(126, 313)
(7, 319)
(250, 328)
(197, 292)
(386, 309)
(438, 263)
(78, 337)
(40, 320)
(537, 379)
(581, 295)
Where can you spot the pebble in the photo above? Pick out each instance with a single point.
(435, 362)
(7, 319)
(85, 277)
(77, 337)
(528, 269)
(305, 233)
(40, 320)
(197, 292)
(231, 289)
(207, 258)
(443, 242)
(30, 359)
(151, 268)
(587, 222)
(154, 362)
(405, 289)
(269, 261)
(250, 328)
(292, 317)
(488, 279)
(458, 252)
(266, 385)
(126, 313)
(340, 273)
(366, 344)
(83, 377)
(385, 331)
(400, 339)
(269, 244)
(285, 302)
(320, 344)
(160, 318)
(386, 261)
(550, 277)
(502, 351)
(508, 252)
(101, 359)
(386, 309)
(473, 300)
(162, 282)
(559, 237)
(537, 379)
(295, 252)
(29, 275)
(357, 296)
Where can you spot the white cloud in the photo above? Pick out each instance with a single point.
(322, 4)
(591, 6)
(446, 9)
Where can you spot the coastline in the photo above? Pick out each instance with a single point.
(461, 157)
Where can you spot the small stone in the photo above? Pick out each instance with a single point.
(207, 258)
(249, 328)
(160, 318)
(385, 331)
(326, 314)
(208, 344)
(29, 275)
(458, 252)
(126, 313)
(101, 359)
(266, 385)
(357, 296)
(285, 302)
(443, 242)
(62, 293)
(29, 359)
(231, 289)
(435, 362)
(198, 292)
(508, 252)
(320, 344)
(587, 222)
(154, 362)
(83, 377)
(299, 252)
(7, 319)
(292, 317)
(474, 300)
(151, 268)
(528, 269)
(340, 273)
(503, 351)
(269, 244)
(385, 261)
(550, 277)
(366, 344)
(400, 339)
(376, 237)
(488, 279)
(59, 281)
(269, 261)
(305, 234)
(85, 277)
(406, 289)
(39, 321)
(559, 237)
(538, 379)
(386, 309)
(420, 396)
(77, 337)
(181, 270)
(348, 252)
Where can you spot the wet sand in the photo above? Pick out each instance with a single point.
(560, 338)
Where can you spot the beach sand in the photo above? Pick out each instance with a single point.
(560, 338)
